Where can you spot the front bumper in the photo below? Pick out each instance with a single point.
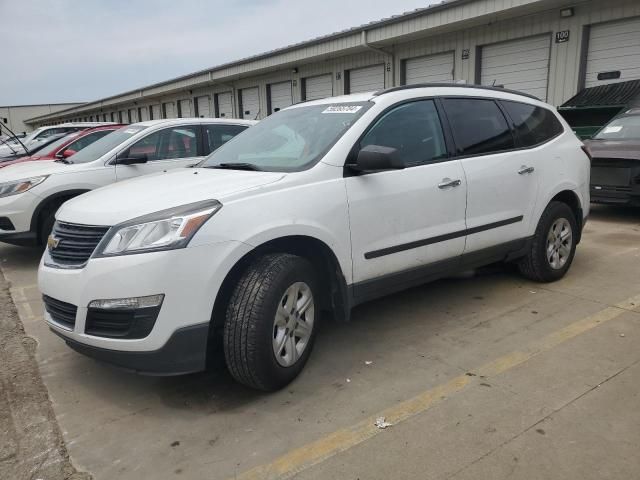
(189, 278)
(19, 210)
(184, 352)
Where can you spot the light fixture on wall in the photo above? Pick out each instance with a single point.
(294, 70)
(566, 12)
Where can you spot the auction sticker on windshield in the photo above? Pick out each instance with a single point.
(342, 109)
(131, 131)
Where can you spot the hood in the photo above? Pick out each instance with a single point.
(29, 169)
(627, 149)
(133, 198)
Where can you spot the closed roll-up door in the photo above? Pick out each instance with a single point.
(203, 106)
(250, 102)
(224, 105)
(280, 96)
(122, 115)
(521, 65)
(320, 86)
(367, 79)
(429, 69)
(613, 53)
(144, 114)
(156, 112)
(185, 109)
(169, 110)
(133, 115)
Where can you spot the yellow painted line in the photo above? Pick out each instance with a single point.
(302, 458)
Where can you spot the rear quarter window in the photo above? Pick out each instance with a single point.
(533, 125)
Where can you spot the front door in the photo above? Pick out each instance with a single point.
(403, 220)
(165, 149)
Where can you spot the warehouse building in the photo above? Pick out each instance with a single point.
(548, 48)
(14, 116)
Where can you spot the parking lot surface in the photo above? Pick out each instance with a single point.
(485, 375)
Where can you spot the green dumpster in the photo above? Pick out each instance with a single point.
(593, 107)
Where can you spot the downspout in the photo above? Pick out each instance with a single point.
(365, 44)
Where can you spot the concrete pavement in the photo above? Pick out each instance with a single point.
(558, 397)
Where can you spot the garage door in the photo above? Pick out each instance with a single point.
(614, 53)
(156, 113)
(224, 105)
(144, 114)
(203, 106)
(279, 96)
(367, 79)
(519, 64)
(133, 115)
(169, 110)
(429, 69)
(320, 86)
(250, 102)
(185, 109)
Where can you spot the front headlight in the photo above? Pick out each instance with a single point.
(165, 230)
(19, 186)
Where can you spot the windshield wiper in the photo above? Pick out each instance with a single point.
(237, 166)
(63, 160)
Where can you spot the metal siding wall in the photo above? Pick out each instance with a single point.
(498, 24)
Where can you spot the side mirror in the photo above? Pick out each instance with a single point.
(126, 159)
(67, 153)
(375, 158)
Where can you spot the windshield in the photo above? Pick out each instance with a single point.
(622, 128)
(106, 144)
(290, 140)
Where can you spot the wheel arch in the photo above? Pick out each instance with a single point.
(570, 198)
(335, 298)
(56, 198)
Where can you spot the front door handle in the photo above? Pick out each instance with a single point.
(447, 182)
(525, 170)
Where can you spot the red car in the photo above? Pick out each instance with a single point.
(66, 146)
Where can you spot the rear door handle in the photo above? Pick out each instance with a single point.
(447, 182)
(524, 170)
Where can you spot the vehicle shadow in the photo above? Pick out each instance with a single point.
(614, 214)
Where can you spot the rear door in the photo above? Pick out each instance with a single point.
(502, 183)
(404, 222)
(165, 149)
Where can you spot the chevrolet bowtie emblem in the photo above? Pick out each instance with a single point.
(52, 242)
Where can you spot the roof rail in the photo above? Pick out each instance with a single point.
(456, 85)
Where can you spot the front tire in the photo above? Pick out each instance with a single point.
(553, 246)
(271, 321)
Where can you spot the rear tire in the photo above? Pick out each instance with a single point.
(271, 321)
(553, 246)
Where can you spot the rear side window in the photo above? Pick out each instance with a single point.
(218, 135)
(478, 126)
(533, 125)
(413, 129)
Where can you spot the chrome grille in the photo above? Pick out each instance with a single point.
(72, 245)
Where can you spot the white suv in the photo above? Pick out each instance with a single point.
(321, 206)
(31, 192)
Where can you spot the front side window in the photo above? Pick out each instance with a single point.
(413, 129)
(218, 135)
(533, 125)
(478, 126)
(167, 144)
(622, 128)
(290, 140)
